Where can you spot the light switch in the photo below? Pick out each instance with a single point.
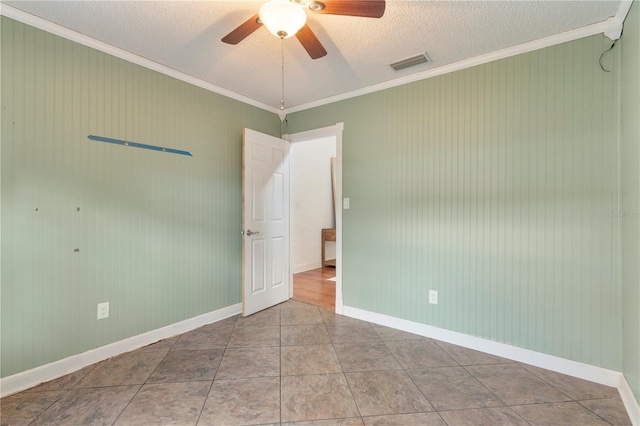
(345, 204)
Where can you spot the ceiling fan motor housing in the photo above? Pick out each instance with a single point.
(286, 18)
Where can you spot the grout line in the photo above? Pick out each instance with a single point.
(332, 344)
(145, 381)
(224, 352)
(590, 410)
(206, 398)
(48, 406)
(406, 371)
(485, 386)
(128, 403)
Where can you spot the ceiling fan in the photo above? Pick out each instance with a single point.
(286, 18)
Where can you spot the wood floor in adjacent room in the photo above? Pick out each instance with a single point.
(314, 287)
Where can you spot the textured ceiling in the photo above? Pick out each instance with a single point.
(185, 36)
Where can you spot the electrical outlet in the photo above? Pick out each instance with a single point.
(103, 310)
(433, 297)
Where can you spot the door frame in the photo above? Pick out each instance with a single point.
(329, 131)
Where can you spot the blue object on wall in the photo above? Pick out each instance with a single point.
(139, 145)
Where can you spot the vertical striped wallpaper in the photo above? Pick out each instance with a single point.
(490, 185)
(157, 235)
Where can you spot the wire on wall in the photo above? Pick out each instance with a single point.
(608, 50)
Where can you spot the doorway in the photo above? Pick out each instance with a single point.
(314, 211)
(316, 287)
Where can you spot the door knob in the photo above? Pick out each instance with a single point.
(250, 232)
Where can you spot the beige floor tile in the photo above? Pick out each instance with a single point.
(23, 408)
(298, 335)
(386, 392)
(68, 382)
(493, 416)
(95, 406)
(387, 333)
(366, 356)
(166, 404)
(227, 322)
(572, 386)
(185, 366)
(254, 336)
(416, 419)
(300, 316)
(354, 421)
(352, 332)
(131, 368)
(294, 368)
(207, 337)
(310, 359)
(453, 388)
(558, 413)
(243, 402)
(294, 304)
(249, 362)
(514, 385)
(413, 354)
(316, 397)
(330, 317)
(163, 345)
(611, 410)
(262, 318)
(464, 356)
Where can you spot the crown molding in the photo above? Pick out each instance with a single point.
(607, 26)
(611, 28)
(623, 10)
(616, 22)
(50, 27)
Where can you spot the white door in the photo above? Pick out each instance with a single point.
(265, 221)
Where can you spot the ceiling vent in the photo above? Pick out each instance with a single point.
(410, 62)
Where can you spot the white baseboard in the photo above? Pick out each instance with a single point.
(527, 356)
(44, 373)
(630, 402)
(561, 365)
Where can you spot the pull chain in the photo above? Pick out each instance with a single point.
(282, 97)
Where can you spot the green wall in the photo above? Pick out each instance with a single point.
(158, 234)
(494, 186)
(631, 198)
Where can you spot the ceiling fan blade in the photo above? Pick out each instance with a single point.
(310, 42)
(363, 8)
(243, 31)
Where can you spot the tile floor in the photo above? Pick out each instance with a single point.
(300, 364)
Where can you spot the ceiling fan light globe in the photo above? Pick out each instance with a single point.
(282, 18)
